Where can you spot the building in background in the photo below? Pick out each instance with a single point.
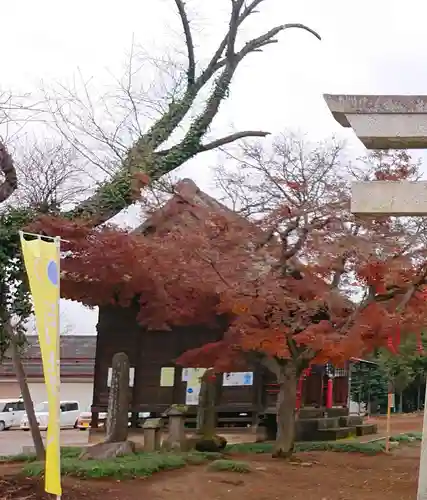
(77, 370)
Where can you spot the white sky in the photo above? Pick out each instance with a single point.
(368, 47)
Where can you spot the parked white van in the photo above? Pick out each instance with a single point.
(11, 413)
(70, 411)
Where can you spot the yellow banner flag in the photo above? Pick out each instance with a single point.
(42, 261)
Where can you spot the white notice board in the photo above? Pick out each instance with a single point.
(192, 393)
(237, 379)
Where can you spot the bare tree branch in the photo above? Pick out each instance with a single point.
(145, 154)
(191, 72)
(49, 177)
(256, 44)
(232, 138)
(223, 141)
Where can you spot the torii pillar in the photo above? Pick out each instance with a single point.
(388, 122)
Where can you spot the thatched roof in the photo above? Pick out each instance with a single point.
(185, 208)
(190, 207)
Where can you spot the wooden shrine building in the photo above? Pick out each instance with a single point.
(156, 382)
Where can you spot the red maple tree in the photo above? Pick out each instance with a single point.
(173, 271)
(339, 286)
(307, 284)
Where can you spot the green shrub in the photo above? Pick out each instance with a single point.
(229, 465)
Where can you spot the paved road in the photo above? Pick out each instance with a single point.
(11, 442)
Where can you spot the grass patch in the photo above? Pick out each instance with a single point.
(66, 452)
(407, 437)
(21, 457)
(198, 458)
(146, 464)
(418, 436)
(230, 466)
(344, 447)
(129, 466)
(137, 465)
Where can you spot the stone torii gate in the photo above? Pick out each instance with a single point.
(388, 122)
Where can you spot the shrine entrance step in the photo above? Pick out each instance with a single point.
(366, 429)
(335, 434)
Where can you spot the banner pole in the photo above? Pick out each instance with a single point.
(58, 359)
(42, 263)
(388, 428)
(40, 236)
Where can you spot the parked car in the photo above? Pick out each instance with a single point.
(11, 413)
(70, 411)
(85, 419)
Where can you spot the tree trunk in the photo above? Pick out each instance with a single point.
(419, 395)
(118, 401)
(206, 413)
(10, 180)
(286, 402)
(26, 395)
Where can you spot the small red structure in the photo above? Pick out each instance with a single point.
(319, 387)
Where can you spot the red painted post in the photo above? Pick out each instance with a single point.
(329, 393)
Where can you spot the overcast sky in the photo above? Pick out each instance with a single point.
(368, 47)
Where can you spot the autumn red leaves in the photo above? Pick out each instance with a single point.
(307, 282)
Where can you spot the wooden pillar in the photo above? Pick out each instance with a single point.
(94, 422)
(257, 393)
(348, 385)
(98, 383)
(134, 419)
(177, 386)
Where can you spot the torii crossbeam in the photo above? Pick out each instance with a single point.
(388, 122)
(385, 122)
